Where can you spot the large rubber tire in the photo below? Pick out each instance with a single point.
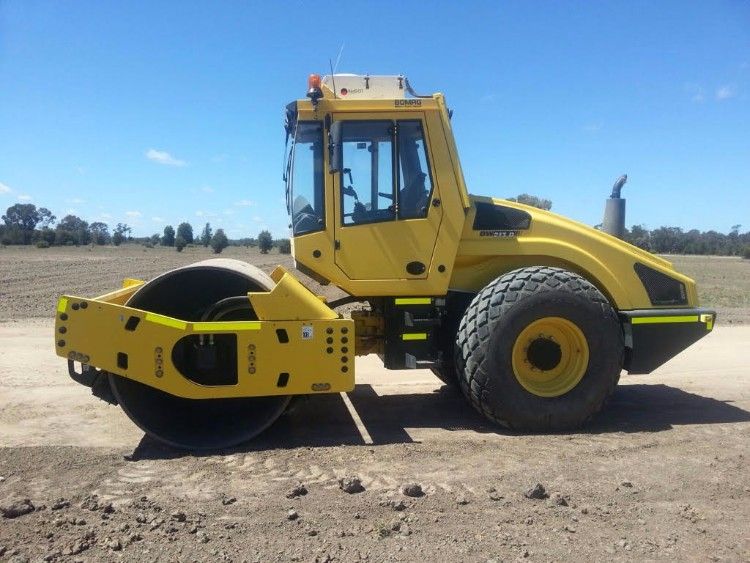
(493, 322)
(190, 293)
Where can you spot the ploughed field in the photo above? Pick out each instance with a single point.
(31, 279)
(661, 474)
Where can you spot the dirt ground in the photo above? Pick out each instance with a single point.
(662, 474)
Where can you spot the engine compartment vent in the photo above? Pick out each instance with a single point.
(662, 290)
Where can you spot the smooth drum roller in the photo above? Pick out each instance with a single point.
(200, 292)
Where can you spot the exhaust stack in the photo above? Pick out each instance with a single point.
(614, 210)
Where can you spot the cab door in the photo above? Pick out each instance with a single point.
(387, 204)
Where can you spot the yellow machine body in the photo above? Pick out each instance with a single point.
(370, 259)
(379, 207)
(298, 345)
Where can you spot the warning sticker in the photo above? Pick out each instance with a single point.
(307, 332)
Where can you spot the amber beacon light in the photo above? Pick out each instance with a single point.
(313, 88)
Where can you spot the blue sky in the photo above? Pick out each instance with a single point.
(157, 112)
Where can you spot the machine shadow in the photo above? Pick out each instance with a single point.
(657, 407)
(324, 420)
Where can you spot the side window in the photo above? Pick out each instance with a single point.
(308, 197)
(415, 183)
(367, 178)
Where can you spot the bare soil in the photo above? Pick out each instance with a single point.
(661, 474)
(723, 283)
(31, 279)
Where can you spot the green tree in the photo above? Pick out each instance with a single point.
(285, 246)
(122, 233)
(21, 219)
(265, 242)
(99, 233)
(72, 230)
(168, 238)
(219, 241)
(185, 230)
(155, 238)
(46, 219)
(206, 235)
(639, 236)
(47, 235)
(179, 243)
(533, 200)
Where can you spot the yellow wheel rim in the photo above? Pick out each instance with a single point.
(550, 357)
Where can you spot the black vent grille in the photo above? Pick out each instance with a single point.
(499, 217)
(661, 289)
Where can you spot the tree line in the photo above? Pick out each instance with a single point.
(25, 224)
(671, 240)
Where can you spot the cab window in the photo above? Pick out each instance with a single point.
(386, 173)
(308, 197)
(415, 184)
(367, 177)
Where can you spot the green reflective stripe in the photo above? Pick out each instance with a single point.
(166, 321)
(414, 336)
(659, 320)
(413, 300)
(709, 320)
(62, 305)
(219, 326)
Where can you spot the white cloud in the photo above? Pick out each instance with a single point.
(163, 157)
(725, 92)
(76, 200)
(258, 219)
(205, 214)
(229, 212)
(5, 189)
(245, 203)
(157, 219)
(24, 197)
(105, 216)
(134, 214)
(207, 189)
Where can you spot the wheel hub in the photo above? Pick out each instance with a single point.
(544, 353)
(550, 356)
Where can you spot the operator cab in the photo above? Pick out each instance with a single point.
(384, 167)
(366, 201)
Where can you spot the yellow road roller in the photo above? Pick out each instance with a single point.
(532, 315)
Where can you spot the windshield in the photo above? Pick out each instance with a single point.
(304, 172)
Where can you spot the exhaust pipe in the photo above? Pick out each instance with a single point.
(614, 210)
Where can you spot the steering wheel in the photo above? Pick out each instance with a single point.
(415, 196)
